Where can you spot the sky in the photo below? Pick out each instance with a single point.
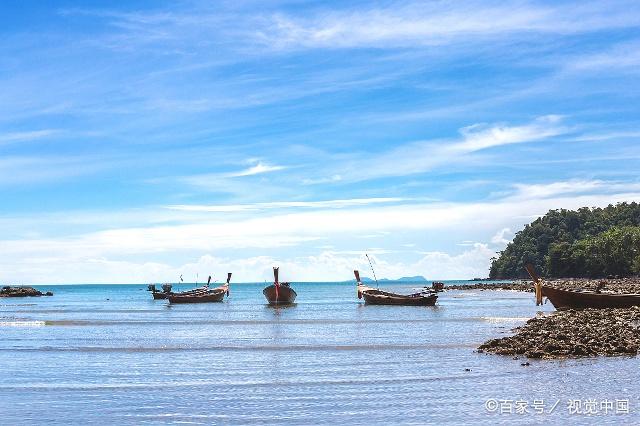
(143, 140)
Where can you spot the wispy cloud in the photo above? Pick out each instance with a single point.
(621, 56)
(571, 187)
(18, 170)
(258, 169)
(423, 156)
(436, 23)
(327, 204)
(6, 138)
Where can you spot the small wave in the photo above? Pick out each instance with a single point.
(499, 320)
(22, 323)
(235, 348)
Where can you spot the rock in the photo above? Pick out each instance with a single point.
(580, 350)
(573, 333)
(8, 291)
(612, 283)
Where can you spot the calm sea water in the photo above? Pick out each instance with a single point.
(108, 354)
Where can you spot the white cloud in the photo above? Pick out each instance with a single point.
(423, 156)
(26, 136)
(469, 264)
(30, 169)
(437, 23)
(575, 186)
(259, 168)
(327, 204)
(619, 57)
(500, 238)
(65, 259)
(479, 137)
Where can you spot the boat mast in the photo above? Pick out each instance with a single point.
(374, 272)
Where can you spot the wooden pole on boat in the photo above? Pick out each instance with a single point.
(228, 281)
(357, 274)
(276, 283)
(537, 283)
(374, 272)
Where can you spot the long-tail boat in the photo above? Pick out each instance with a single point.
(279, 293)
(374, 296)
(203, 294)
(580, 299)
(158, 295)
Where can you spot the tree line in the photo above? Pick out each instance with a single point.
(588, 242)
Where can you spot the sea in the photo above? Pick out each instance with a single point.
(109, 354)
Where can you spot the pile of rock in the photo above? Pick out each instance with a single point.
(8, 291)
(616, 285)
(507, 285)
(571, 333)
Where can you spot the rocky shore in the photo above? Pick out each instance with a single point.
(9, 291)
(507, 285)
(573, 333)
(616, 285)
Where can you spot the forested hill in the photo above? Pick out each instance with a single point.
(589, 242)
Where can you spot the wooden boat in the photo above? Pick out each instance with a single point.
(159, 295)
(437, 286)
(568, 299)
(580, 299)
(202, 295)
(279, 293)
(374, 296)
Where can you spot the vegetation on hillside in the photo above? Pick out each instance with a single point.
(589, 242)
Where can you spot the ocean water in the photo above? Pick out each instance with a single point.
(109, 354)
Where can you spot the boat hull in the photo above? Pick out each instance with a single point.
(209, 297)
(566, 299)
(286, 295)
(157, 295)
(377, 297)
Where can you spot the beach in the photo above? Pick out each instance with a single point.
(97, 354)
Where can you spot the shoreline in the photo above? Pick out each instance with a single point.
(616, 285)
(573, 334)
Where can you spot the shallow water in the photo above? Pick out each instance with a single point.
(111, 355)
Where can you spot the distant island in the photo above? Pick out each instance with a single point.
(585, 243)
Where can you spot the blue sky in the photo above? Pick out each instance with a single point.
(145, 140)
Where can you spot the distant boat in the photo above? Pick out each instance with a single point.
(203, 294)
(580, 299)
(279, 293)
(374, 296)
(158, 295)
(437, 286)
